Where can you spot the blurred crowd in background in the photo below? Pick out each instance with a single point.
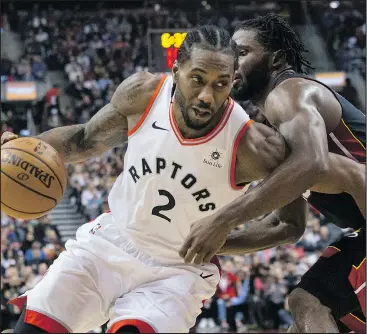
(345, 33)
(28, 248)
(96, 52)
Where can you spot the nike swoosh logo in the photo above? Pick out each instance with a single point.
(206, 276)
(157, 127)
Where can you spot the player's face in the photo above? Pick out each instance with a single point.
(253, 73)
(203, 84)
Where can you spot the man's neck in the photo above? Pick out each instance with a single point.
(190, 133)
(259, 100)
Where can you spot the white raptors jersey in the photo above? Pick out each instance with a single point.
(170, 182)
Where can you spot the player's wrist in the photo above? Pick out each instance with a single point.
(229, 219)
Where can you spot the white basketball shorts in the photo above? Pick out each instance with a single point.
(103, 277)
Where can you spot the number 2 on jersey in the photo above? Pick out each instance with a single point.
(156, 211)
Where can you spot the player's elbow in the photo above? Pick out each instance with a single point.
(315, 167)
(321, 166)
(320, 170)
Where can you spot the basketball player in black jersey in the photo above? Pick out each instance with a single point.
(314, 120)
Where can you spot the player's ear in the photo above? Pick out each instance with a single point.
(175, 71)
(278, 59)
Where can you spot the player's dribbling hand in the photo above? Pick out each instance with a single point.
(205, 239)
(7, 136)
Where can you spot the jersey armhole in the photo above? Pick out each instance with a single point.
(232, 169)
(148, 107)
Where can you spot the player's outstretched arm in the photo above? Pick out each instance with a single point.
(107, 128)
(283, 226)
(267, 150)
(287, 224)
(345, 175)
(294, 113)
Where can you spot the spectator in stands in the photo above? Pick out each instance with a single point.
(227, 289)
(345, 35)
(75, 196)
(9, 120)
(44, 224)
(324, 241)
(6, 65)
(290, 276)
(237, 307)
(311, 237)
(284, 315)
(21, 272)
(74, 71)
(275, 292)
(92, 201)
(34, 255)
(53, 119)
(38, 68)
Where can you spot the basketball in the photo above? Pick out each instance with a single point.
(33, 178)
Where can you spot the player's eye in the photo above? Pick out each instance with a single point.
(243, 53)
(222, 84)
(197, 78)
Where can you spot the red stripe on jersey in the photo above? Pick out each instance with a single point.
(357, 278)
(349, 142)
(232, 175)
(353, 323)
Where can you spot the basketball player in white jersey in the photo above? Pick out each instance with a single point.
(190, 147)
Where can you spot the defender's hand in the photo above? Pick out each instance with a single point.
(205, 239)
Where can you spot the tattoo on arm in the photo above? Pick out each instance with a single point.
(68, 140)
(108, 128)
(133, 92)
(74, 141)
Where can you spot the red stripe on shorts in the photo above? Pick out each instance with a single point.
(18, 302)
(142, 326)
(44, 322)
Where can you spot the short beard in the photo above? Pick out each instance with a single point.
(181, 103)
(239, 93)
(256, 83)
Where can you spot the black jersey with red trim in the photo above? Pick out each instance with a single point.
(348, 139)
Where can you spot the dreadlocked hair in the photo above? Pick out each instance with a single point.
(276, 34)
(207, 37)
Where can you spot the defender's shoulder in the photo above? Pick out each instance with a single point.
(296, 95)
(299, 90)
(291, 91)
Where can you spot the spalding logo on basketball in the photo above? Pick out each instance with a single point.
(33, 171)
(33, 178)
(22, 176)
